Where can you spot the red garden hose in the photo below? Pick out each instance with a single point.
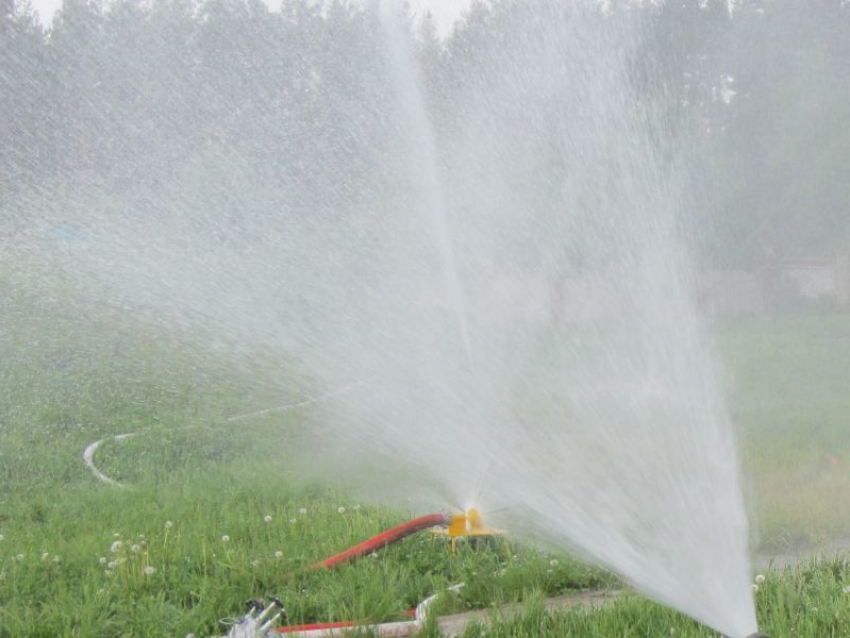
(383, 539)
(315, 627)
(375, 543)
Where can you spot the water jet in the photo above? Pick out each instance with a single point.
(495, 257)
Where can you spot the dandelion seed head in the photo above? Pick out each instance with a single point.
(267, 518)
(759, 579)
(149, 570)
(225, 538)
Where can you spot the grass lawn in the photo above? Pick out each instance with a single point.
(788, 386)
(212, 515)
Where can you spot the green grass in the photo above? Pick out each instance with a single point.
(788, 380)
(193, 478)
(67, 386)
(217, 536)
(212, 549)
(810, 601)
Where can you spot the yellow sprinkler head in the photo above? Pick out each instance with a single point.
(467, 524)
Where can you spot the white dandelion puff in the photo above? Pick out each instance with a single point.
(149, 570)
(225, 538)
(267, 518)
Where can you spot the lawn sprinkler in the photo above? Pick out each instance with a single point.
(466, 524)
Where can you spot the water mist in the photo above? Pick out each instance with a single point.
(499, 275)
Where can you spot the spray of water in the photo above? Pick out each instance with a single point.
(423, 159)
(527, 223)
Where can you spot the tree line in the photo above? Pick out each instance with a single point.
(219, 101)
